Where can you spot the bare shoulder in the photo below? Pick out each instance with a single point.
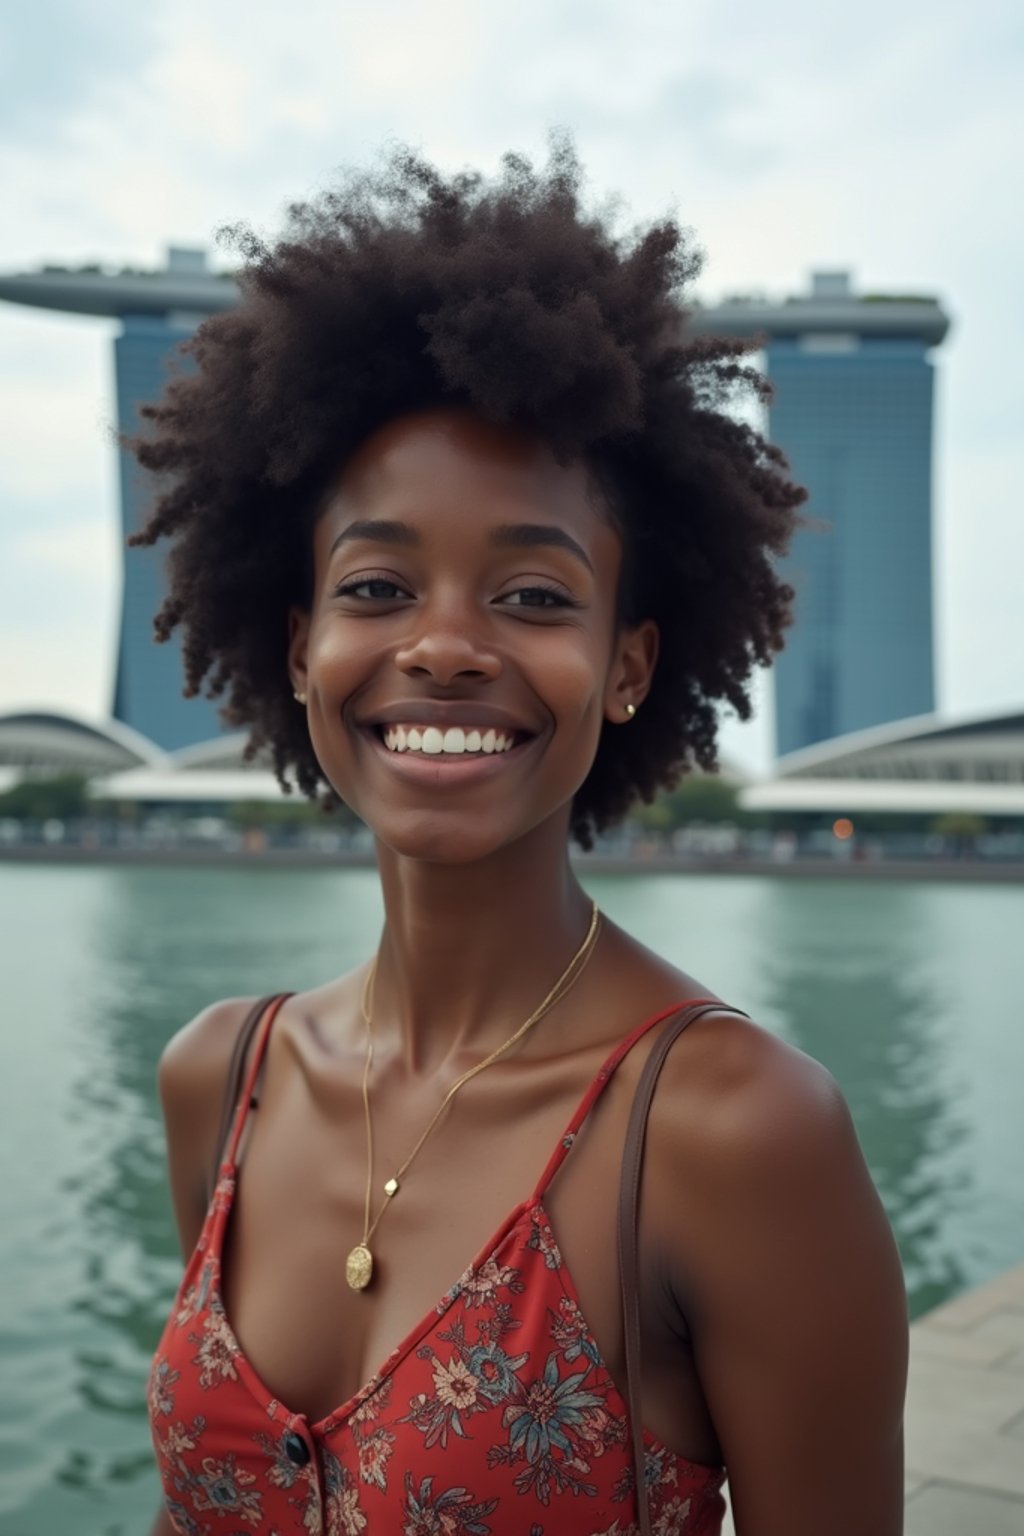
(786, 1272)
(193, 1067)
(757, 1140)
(191, 1078)
(757, 1096)
(730, 1092)
(195, 1059)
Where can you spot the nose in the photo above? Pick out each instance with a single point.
(446, 645)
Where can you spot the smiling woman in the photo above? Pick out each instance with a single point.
(463, 533)
(486, 572)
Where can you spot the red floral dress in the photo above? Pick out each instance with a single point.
(495, 1416)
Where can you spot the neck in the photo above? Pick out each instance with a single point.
(469, 951)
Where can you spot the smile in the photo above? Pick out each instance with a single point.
(454, 741)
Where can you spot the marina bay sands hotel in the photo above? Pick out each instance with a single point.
(852, 411)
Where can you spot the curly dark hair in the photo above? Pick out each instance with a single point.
(401, 289)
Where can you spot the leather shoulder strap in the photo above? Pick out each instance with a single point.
(629, 1197)
(233, 1085)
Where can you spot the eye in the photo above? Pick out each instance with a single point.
(537, 597)
(370, 589)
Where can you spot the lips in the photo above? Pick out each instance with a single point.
(442, 745)
(443, 727)
(454, 741)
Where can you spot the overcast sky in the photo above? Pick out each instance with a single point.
(881, 138)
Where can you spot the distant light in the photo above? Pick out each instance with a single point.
(842, 828)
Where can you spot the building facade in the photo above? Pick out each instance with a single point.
(148, 678)
(853, 413)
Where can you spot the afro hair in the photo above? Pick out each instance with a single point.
(402, 288)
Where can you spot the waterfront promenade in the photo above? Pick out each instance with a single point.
(640, 861)
(965, 1415)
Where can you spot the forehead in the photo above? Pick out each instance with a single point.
(451, 462)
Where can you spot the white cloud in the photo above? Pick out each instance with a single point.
(56, 385)
(789, 136)
(86, 552)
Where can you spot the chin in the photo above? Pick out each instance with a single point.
(433, 839)
(454, 837)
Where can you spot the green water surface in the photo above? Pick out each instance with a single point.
(909, 992)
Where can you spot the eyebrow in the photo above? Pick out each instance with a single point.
(507, 536)
(539, 536)
(377, 531)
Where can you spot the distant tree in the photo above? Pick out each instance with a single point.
(960, 828)
(701, 797)
(961, 824)
(57, 797)
(291, 812)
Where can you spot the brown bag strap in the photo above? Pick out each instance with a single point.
(233, 1085)
(629, 1198)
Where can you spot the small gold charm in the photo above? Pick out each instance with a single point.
(359, 1267)
(391, 1187)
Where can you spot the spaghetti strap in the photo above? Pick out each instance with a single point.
(242, 1108)
(603, 1078)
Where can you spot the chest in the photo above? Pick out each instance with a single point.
(306, 1195)
(299, 1209)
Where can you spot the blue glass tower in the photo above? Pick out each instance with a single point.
(149, 679)
(852, 411)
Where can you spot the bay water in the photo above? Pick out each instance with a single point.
(908, 991)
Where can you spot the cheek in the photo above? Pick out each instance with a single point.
(581, 681)
(338, 663)
(568, 674)
(338, 656)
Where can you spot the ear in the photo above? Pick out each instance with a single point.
(298, 642)
(629, 676)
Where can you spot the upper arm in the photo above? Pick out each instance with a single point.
(796, 1305)
(191, 1078)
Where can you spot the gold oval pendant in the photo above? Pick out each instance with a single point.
(359, 1267)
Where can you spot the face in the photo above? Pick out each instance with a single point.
(461, 654)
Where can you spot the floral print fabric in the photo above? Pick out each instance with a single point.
(495, 1416)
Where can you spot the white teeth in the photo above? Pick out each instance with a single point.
(453, 741)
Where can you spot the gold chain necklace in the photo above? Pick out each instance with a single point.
(359, 1264)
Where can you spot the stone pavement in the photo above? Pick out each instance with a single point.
(965, 1415)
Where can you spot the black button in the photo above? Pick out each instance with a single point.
(296, 1448)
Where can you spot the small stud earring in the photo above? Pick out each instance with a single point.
(300, 698)
(630, 710)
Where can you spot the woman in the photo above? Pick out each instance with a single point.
(462, 532)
